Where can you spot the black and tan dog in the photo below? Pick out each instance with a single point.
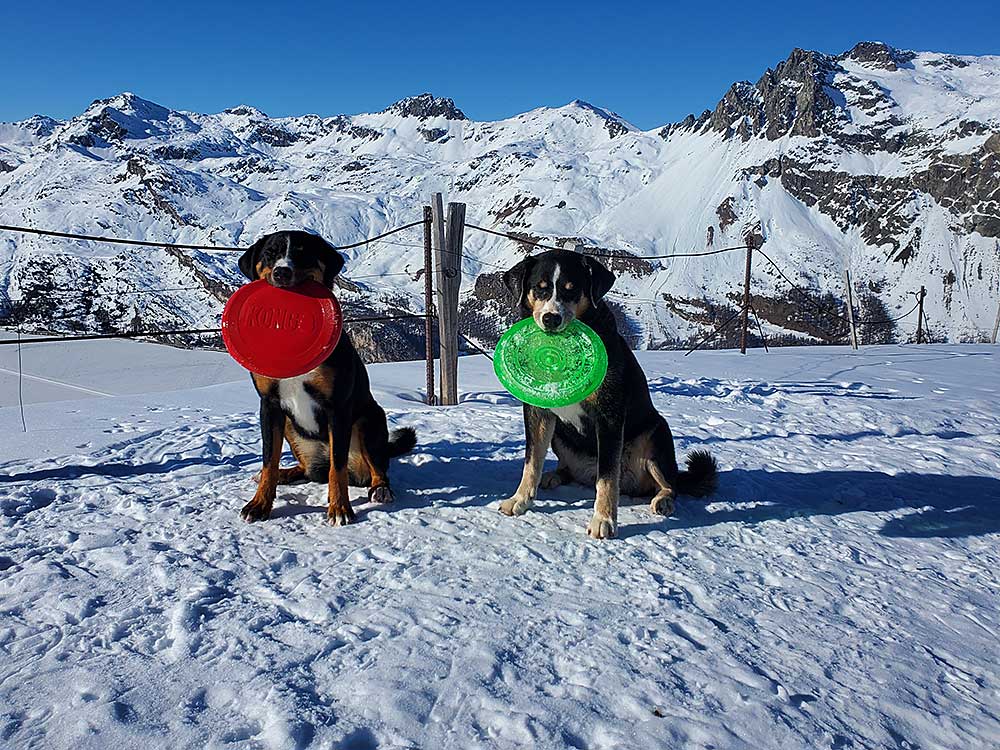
(614, 439)
(328, 413)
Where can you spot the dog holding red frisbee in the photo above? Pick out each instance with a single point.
(285, 327)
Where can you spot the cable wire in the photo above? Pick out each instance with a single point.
(626, 256)
(180, 246)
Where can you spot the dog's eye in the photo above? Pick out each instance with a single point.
(568, 286)
(543, 285)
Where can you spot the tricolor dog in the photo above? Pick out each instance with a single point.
(336, 430)
(614, 439)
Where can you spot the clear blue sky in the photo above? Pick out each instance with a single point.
(651, 62)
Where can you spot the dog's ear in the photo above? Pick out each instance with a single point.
(333, 263)
(248, 261)
(601, 279)
(514, 280)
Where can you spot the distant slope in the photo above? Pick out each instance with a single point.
(879, 160)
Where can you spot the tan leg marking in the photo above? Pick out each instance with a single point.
(662, 503)
(379, 490)
(604, 523)
(339, 511)
(524, 497)
(259, 508)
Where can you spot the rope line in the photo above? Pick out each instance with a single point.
(705, 339)
(180, 246)
(839, 316)
(887, 321)
(626, 256)
(474, 345)
(183, 332)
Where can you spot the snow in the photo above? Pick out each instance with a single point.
(839, 591)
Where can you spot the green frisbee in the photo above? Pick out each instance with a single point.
(550, 369)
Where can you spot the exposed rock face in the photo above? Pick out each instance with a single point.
(878, 55)
(425, 106)
(789, 100)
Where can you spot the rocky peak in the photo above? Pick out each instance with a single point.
(791, 99)
(877, 55)
(244, 110)
(424, 106)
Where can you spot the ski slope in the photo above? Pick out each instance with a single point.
(840, 591)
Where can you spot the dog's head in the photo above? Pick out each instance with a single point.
(286, 259)
(557, 287)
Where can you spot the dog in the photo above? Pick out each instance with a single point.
(614, 439)
(336, 430)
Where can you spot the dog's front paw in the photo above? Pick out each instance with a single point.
(516, 505)
(340, 515)
(256, 510)
(381, 494)
(551, 480)
(602, 527)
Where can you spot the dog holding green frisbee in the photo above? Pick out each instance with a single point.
(586, 396)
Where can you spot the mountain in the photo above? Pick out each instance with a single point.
(881, 161)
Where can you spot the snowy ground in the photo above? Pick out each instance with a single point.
(841, 591)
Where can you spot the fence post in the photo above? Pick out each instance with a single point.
(428, 306)
(451, 284)
(996, 325)
(850, 308)
(746, 300)
(448, 254)
(920, 314)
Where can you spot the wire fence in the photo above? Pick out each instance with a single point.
(823, 311)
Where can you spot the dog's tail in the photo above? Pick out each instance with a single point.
(402, 441)
(701, 477)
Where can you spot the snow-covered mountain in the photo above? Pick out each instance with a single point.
(880, 161)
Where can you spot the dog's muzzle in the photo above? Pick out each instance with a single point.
(551, 322)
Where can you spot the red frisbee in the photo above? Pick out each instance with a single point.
(281, 333)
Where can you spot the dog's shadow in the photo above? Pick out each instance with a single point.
(922, 505)
(939, 505)
(479, 474)
(459, 475)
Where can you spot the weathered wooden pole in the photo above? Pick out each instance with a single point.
(452, 284)
(850, 309)
(746, 300)
(447, 239)
(920, 314)
(428, 306)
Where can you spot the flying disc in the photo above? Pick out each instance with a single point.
(550, 369)
(281, 333)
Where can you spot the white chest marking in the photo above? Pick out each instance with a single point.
(298, 403)
(572, 414)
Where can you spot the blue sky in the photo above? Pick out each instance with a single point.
(651, 62)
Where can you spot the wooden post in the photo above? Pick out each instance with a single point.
(850, 309)
(996, 325)
(452, 283)
(746, 300)
(428, 306)
(448, 255)
(438, 240)
(920, 314)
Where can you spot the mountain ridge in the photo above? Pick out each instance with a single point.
(879, 160)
